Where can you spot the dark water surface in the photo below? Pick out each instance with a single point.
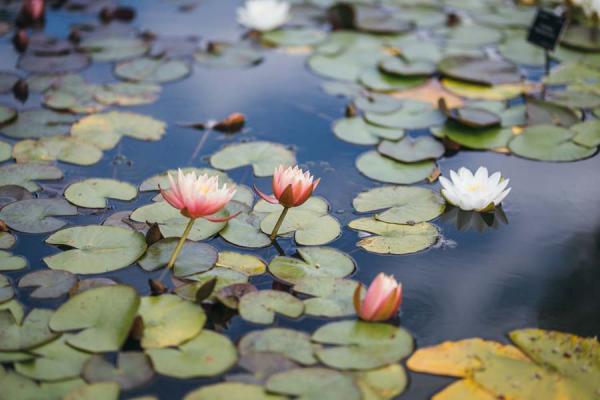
(539, 270)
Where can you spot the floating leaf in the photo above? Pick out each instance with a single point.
(409, 150)
(333, 297)
(245, 263)
(520, 51)
(263, 156)
(169, 320)
(73, 94)
(464, 389)
(5, 151)
(105, 130)
(17, 387)
(194, 257)
(103, 390)
(575, 97)
(548, 143)
(356, 130)
(93, 192)
(133, 369)
(309, 228)
(152, 70)
(244, 230)
(581, 38)
(479, 70)
(224, 276)
(375, 166)
(38, 123)
(6, 114)
(127, 93)
(49, 284)
(393, 238)
(362, 345)
(314, 384)
(315, 204)
(260, 307)
(231, 391)
(293, 37)
(226, 55)
(412, 115)
(317, 262)
(67, 149)
(375, 79)
(230, 295)
(382, 384)
(294, 345)
(587, 133)
(7, 240)
(32, 332)
(545, 112)
(477, 138)
(52, 64)
(95, 249)
(9, 262)
(405, 205)
(113, 48)
(208, 354)
(498, 92)
(36, 215)
(400, 67)
(6, 291)
(104, 315)
(24, 175)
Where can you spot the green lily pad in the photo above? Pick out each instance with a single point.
(10, 262)
(33, 331)
(263, 156)
(294, 345)
(403, 204)
(208, 354)
(172, 223)
(398, 66)
(17, 387)
(133, 369)
(100, 391)
(7, 239)
(471, 36)
(54, 361)
(36, 215)
(152, 70)
(5, 151)
(497, 92)
(314, 384)
(231, 391)
(73, 94)
(6, 290)
(409, 150)
(384, 383)
(519, 51)
(362, 345)
(333, 297)
(317, 262)
(412, 115)
(309, 228)
(394, 238)
(227, 55)
(479, 70)
(104, 315)
(53, 64)
(357, 131)
(105, 130)
(587, 133)
(375, 79)
(49, 284)
(377, 167)
(245, 263)
(477, 138)
(548, 143)
(12, 306)
(224, 276)
(315, 204)
(67, 149)
(575, 97)
(38, 123)
(244, 230)
(260, 307)
(545, 112)
(571, 73)
(95, 249)
(169, 320)
(293, 37)
(194, 257)
(93, 192)
(581, 38)
(127, 93)
(113, 48)
(24, 175)
(6, 114)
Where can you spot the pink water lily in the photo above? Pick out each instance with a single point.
(33, 9)
(382, 300)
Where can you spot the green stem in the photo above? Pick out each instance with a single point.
(186, 233)
(279, 222)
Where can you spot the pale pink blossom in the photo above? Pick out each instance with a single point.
(382, 300)
(198, 197)
(33, 9)
(291, 187)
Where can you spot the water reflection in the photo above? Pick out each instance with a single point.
(472, 220)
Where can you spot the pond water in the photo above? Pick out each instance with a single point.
(539, 268)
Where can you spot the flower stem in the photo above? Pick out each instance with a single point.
(278, 224)
(186, 232)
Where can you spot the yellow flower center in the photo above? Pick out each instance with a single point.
(473, 188)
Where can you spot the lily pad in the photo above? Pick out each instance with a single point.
(479, 70)
(545, 112)
(384, 383)
(224, 277)
(49, 284)
(587, 133)
(548, 143)
(194, 257)
(73, 94)
(520, 51)
(208, 354)
(113, 48)
(39, 123)
(505, 91)
(294, 345)
(314, 384)
(333, 297)
(10, 262)
(67, 149)
(33, 331)
(127, 93)
(400, 67)
(309, 228)
(263, 156)
(104, 315)
(244, 230)
(24, 175)
(52, 64)
(6, 291)
(36, 215)
(403, 204)
(409, 150)
(412, 115)
(6, 114)
(317, 262)
(169, 320)
(581, 38)
(105, 130)
(7, 239)
(245, 263)
(260, 307)
(362, 345)
(375, 79)
(103, 390)
(231, 391)
(357, 131)
(133, 369)
(226, 55)
(477, 138)
(393, 238)
(152, 70)
(93, 192)
(377, 167)
(5, 151)
(17, 387)
(95, 249)
(293, 37)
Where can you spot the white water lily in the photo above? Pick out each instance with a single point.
(478, 192)
(263, 15)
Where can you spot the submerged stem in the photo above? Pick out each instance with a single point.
(279, 222)
(186, 233)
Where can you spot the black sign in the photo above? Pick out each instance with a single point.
(546, 29)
